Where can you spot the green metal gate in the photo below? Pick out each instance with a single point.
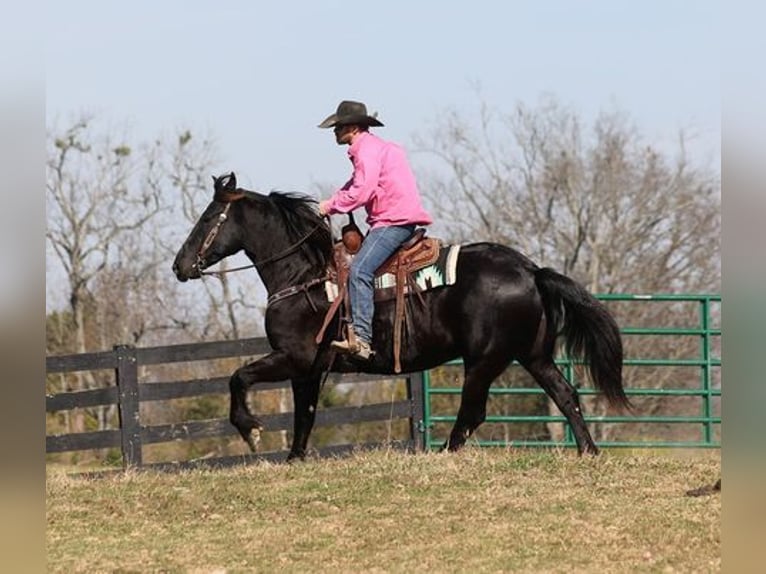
(704, 420)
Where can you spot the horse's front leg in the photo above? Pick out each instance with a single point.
(305, 398)
(275, 366)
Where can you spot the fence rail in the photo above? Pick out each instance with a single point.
(705, 361)
(128, 393)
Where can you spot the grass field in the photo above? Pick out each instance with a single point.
(481, 510)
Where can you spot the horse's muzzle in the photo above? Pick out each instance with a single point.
(184, 275)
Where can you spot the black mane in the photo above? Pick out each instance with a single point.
(302, 220)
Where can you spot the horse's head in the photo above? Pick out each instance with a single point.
(211, 239)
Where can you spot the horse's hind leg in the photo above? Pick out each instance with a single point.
(565, 396)
(473, 400)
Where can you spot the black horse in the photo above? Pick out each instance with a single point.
(501, 307)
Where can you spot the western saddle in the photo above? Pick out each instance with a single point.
(414, 254)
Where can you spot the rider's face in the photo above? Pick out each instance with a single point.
(344, 134)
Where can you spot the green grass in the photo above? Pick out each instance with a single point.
(481, 510)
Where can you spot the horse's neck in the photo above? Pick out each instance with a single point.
(282, 261)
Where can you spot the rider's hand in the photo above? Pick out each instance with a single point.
(323, 207)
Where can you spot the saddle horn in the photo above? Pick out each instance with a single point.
(351, 235)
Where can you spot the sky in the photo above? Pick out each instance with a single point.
(259, 76)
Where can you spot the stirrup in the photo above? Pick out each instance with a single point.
(361, 349)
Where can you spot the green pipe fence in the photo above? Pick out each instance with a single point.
(707, 421)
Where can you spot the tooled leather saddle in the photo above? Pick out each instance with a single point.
(414, 254)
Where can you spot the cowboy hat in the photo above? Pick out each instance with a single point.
(350, 113)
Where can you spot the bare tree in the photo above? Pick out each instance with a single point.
(105, 200)
(114, 222)
(595, 203)
(92, 202)
(599, 207)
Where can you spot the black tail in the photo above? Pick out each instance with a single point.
(589, 330)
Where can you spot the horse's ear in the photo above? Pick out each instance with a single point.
(225, 183)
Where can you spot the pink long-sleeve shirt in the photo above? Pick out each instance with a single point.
(382, 183)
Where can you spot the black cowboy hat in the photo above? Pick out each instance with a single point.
(350, 113)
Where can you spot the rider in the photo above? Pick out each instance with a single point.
(383, 183)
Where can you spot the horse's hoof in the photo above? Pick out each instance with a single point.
(253, 438)
(705, 490)
(293, 458)
(589, 450)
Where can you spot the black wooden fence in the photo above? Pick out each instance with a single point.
(129, 392)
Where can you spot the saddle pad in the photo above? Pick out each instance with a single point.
(442, 272)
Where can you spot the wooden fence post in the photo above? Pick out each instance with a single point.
(126, 374)
(417, 416)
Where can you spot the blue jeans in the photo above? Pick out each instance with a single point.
(378, 246)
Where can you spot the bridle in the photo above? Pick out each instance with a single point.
(209, 238)
(213, 233)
